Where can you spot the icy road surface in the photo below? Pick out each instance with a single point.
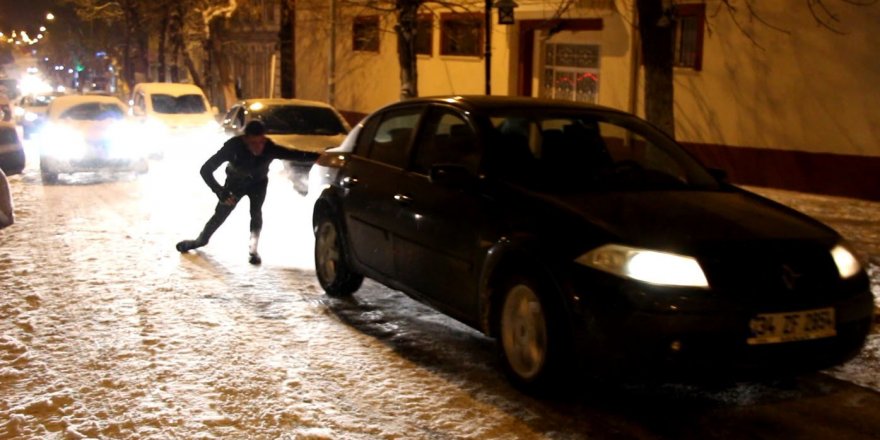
(107, 332)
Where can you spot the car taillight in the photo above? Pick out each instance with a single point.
(331, 160)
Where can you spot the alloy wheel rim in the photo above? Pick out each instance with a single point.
(524, 331)
(328, 252)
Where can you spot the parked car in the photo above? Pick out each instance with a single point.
(175, 116)
(586, 241)
(12, 156)
(7, 213)
(325, 168)
(30, 111)
(89, 133)
(296, 124)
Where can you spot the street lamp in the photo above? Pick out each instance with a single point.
(50, 16)
(505, 11)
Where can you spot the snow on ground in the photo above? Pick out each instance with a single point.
(107, 332)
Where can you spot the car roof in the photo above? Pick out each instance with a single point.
(284, 101)
(483, 103)
(62, 103)
(173, 89)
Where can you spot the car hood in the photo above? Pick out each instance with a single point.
(308, 143)
(184, 121)
(690, 219)
(92, 131)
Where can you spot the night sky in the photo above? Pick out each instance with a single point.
(27, 14)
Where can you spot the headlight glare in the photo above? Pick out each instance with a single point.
(847, 264)
(649, 266)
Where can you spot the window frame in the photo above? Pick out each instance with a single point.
(361, 24)
(445, 41)
(420, 28)
(689, 11)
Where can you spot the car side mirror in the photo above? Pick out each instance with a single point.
(451, 175)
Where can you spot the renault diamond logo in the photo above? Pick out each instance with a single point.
(790, 276)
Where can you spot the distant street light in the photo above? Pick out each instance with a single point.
(50, 16)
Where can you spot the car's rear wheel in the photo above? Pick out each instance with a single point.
(530, 342)
(331, 262)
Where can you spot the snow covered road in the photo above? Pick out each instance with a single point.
(107, 332)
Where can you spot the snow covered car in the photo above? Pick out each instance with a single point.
(176, 117)
(585, 241)
(89, 133)
(12, 157)
(30, 111)
(295, 124)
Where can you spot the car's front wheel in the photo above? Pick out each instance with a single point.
(48, 174)
(529, 338)
(331, 263)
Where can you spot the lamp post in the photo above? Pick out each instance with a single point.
(505, 17)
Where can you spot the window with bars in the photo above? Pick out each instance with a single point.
(689, 24)
(365, 34)
(461, 34)
(571, 72)
(425, 35)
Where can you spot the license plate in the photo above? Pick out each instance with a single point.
(773, 328)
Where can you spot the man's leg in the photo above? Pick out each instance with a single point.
(256, 196)
(221, 212)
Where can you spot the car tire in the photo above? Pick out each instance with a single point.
(331, 261)
(530, 340)
(48, 175)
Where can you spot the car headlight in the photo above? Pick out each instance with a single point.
(847, 264)
(124, 140)
(649, 266)
(63, 143)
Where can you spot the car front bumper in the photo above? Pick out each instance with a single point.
(92, 164)
(688, 334)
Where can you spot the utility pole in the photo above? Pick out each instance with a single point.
(488, 50)
(331, 67)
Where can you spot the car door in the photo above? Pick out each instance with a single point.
(436, 240)
(369, 182)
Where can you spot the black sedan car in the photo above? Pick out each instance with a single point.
(585, 241)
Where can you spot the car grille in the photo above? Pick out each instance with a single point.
(780, 270)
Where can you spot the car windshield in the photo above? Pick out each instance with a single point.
(93, 111)
(183, 104)
(572, 151)
(297, 119)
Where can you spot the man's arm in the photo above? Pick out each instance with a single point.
(211, 165)
(277, 152)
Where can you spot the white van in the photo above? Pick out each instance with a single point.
(179, 113)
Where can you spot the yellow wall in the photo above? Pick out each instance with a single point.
(807, 89)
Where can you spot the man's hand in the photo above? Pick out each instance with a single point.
(226, 197)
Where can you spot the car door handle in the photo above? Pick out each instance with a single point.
(403, 199)
(348, 182)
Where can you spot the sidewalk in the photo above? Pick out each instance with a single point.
(857, 220)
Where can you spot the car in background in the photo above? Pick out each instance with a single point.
(308, 126)
(586, 242)
(12, 156)
(30, 111)
(324, 170)
(89, 133)
(175, 117)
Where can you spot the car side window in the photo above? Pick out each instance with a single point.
(446, 138)
(389, 142)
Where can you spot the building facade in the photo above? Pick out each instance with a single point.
(774, 95)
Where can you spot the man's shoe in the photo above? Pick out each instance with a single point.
(254, 258)
(187, 245)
